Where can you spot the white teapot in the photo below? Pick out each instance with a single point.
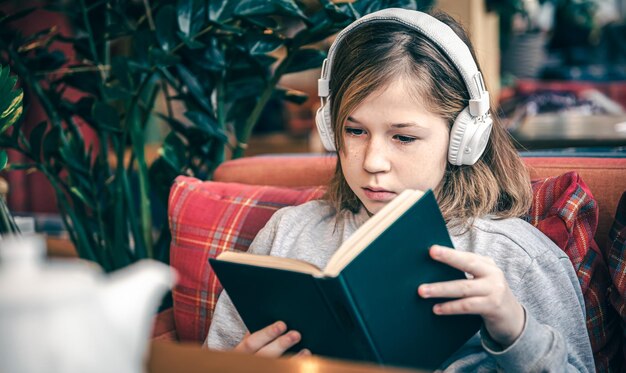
(67, 316)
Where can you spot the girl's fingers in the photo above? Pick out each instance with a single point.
(252, 343)
(454, 289)
(474, 264)
(464, 306)
(281, 344)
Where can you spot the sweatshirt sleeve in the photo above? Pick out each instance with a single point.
(227, 328)
(543, 279)
(554, 338)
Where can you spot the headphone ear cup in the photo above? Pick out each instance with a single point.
(456, 137)
(468, 138)
(324, 127)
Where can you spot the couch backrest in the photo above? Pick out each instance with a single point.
(605, 177)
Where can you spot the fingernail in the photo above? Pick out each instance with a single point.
(280, 327)
(424, 291)
(294, 336)
(437, 309)
(435, 250)
(305, 352)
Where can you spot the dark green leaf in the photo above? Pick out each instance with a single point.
(166, 27)
(35, 139)
(89, 202)
(87, 82)
(52, 143)
(120, 71)
(174, 152)
(116, 92)
(106, 116)
(207, 124)
(190, 42)
(266, 7)
(221, 10)
(243, 87)
(266, 22)
(4, 159)
(163, 59)
(306, 59)
(191, 16)
(260, 44)
(212, 58)
(196, 90)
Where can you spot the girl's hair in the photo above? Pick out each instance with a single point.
(375, 55)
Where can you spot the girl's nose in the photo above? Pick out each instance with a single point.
(376, 158)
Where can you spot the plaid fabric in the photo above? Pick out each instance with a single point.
(565, 211)
(617, 266)
(205, 219)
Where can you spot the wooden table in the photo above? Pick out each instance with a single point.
(568, 130)
(168, 357)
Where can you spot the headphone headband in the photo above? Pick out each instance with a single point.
(436, 31)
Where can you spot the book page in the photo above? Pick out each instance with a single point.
(371, 229)
(267, 261)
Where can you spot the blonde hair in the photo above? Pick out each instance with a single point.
(376, 55)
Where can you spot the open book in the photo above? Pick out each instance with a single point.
(364, 304)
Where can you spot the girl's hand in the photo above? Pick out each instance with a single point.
(271, 341)
(486, 294)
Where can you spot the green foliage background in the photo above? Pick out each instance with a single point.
(212, 57)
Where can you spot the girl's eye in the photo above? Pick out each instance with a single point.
(355, 131)
(404, 139)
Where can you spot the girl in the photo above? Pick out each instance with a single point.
(405, 107)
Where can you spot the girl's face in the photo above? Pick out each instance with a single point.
(392, 143)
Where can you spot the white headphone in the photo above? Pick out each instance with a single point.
(472, 127)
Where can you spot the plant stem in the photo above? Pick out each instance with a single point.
(136, 136)
(244, 133)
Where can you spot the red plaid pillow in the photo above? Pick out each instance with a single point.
(564, 210)
(617, 264)
(207, 218)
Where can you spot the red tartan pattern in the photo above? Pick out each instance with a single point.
(565, 211)
(205, 219)
(617, 266)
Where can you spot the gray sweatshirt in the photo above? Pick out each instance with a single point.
(554, 338)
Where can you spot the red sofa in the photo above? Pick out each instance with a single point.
(605, 178)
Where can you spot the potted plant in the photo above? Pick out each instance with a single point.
(221, 61)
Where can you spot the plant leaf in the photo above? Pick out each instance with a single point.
(221, 10)
(306, 59)
(261, 44)
(106, 116)
(4, 159)
(166, 27)
(35, 139)
(173, 152)
(268, 7)
(191, 16)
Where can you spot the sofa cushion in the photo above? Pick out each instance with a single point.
(205, 219)
(616, 259)
(564, 210)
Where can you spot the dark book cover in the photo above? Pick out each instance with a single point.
(371, 311)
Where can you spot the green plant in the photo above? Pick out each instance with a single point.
(10, 112)
(220, 60)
